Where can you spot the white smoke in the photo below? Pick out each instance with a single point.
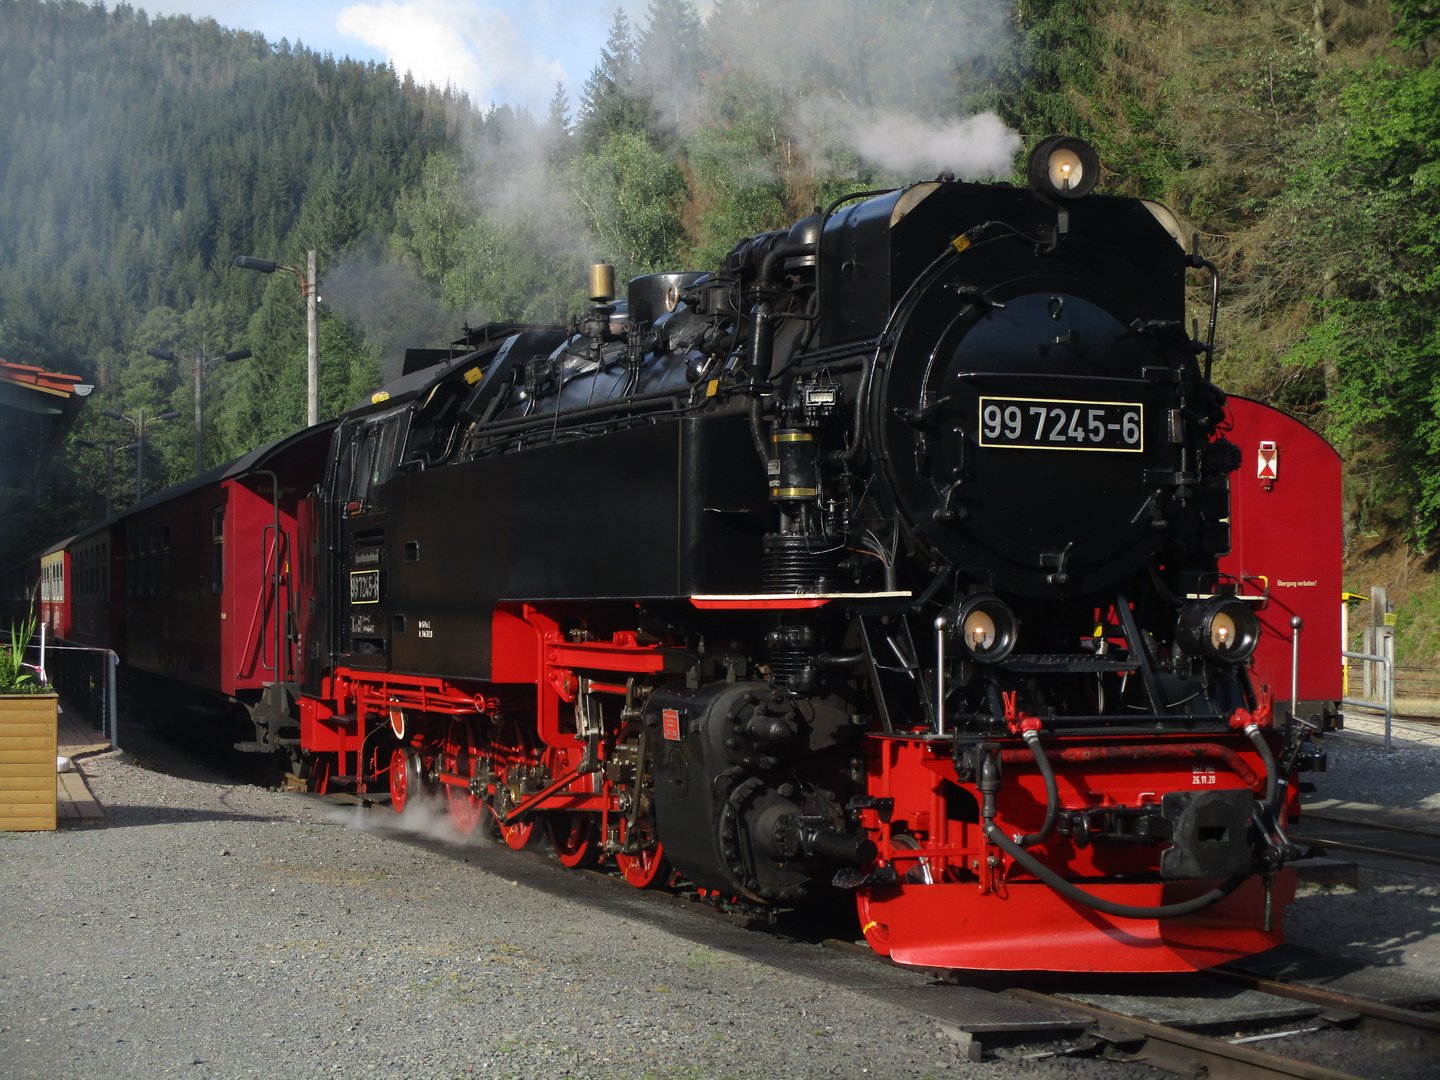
(426, 815)
(978, 148)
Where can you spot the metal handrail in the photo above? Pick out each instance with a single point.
(1378, 658)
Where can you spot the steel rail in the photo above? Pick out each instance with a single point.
(1188, 1054)
(1300, 834)
(1333, 999)
(1363, 849)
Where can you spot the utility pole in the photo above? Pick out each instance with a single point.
(139, 423)
(140, 457)
(312, 328)
(200, 366)
(312, 341)
(199, 415)
(109, 449)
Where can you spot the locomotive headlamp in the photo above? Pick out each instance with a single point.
(1222, 628)
(986, 629)
(1063, 166)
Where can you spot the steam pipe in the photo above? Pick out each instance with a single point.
(762, 336)
(1198, 262)
(1295, 625)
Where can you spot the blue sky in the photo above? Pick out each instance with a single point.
(505, 51)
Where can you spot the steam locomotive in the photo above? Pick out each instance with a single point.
(901, 555)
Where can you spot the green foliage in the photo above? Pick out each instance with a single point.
(612, 100)
(630, 195)
(1371, 193)
(737, 160)
(1048, 69)
(1419, 21)
(14, 679)
(140, 157)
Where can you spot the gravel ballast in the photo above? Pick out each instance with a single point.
(217, 929)
(211, 929)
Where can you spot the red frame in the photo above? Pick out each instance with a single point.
(986, 915)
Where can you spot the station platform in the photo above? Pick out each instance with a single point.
(75, 738)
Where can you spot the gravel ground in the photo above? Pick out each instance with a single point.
(1362, 770)
(216, 929)
(1393, 919)
(211, 929)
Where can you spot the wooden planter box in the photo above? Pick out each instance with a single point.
(27, 761)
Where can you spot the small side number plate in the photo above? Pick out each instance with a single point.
(1047, 424)
(670, 722)
(364, 586)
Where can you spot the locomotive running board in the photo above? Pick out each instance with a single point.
(783, 601)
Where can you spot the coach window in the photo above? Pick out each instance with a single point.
(105, 570)
(217, 550)
(130, 569)
(165, 559)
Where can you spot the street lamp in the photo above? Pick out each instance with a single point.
(312, 330)
(109, 449)
(140, 423)
(199, 366)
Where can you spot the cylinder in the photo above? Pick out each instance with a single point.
(795, 456)
(602, 283)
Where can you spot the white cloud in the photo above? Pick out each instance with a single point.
(477, 47)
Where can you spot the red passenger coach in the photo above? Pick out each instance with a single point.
(54, 592)
(208, 582)
(97, 566)
(1286, 554)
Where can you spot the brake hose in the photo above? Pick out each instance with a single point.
(1052, 793)
(1109, 907)
(989, 787)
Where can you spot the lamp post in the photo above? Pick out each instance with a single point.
(312, 331)
(199, 366)
(140, 423)
(109, 449)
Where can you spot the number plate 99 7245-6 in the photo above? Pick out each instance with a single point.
(1047, 424)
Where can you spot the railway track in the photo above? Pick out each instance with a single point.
(1378, 832)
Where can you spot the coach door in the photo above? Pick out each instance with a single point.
(360, 478)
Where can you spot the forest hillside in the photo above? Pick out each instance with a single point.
(1298, 139)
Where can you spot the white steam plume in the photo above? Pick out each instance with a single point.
(980, 147)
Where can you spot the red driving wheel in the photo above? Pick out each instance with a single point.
(512, 757)
(574, 834)
(405, 781)
(648, 867)
(460, 759)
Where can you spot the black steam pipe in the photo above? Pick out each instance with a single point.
(762, 337)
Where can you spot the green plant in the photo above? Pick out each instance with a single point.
(14, 679)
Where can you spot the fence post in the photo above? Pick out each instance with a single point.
(112, 662)
(1367, 646)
